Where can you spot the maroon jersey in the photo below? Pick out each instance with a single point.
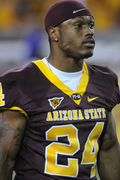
(64, 128)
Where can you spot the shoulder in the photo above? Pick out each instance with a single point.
(17, 76)
(14, 85)
(100, 69)
(14, 80)
(17, 72)
(102, 72)
(106, 81)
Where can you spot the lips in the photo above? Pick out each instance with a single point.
(89, 43)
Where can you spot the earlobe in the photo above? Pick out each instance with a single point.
(56, 39)
(52, 32)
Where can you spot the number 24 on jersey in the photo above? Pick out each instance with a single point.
(55, 148)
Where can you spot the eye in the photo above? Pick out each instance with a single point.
(78, 25)
(91, 25)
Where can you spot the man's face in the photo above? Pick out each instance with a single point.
(77, 37)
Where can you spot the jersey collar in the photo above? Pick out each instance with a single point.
(59, 84)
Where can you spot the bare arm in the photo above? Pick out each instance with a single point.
(109, 156)
(12, 126)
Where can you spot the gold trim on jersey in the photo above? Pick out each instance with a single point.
(15, 108)
(59, 84)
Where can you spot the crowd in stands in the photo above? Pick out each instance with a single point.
(24, 20)
(16, 13)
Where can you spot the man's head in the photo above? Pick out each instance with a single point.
(71, 25)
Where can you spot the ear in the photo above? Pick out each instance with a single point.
(53, 33)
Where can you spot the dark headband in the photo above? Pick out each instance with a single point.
(64, 10)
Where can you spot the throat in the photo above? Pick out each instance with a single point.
(70, 79)
(67, 65)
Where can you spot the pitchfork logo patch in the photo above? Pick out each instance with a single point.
(55, 102)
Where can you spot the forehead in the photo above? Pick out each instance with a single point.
(84, 19)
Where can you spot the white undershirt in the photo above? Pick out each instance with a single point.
(70, 79)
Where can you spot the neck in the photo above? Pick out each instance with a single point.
(66, 64)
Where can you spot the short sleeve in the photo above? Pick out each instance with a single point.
(10, 93)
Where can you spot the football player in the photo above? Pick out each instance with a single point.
(55, 120)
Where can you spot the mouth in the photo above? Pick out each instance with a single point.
(90, 43)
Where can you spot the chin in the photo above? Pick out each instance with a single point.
(86, 55)
(79, 56)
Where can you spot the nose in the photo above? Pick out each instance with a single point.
(88, 31)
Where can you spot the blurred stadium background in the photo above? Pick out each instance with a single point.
(23, 39)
